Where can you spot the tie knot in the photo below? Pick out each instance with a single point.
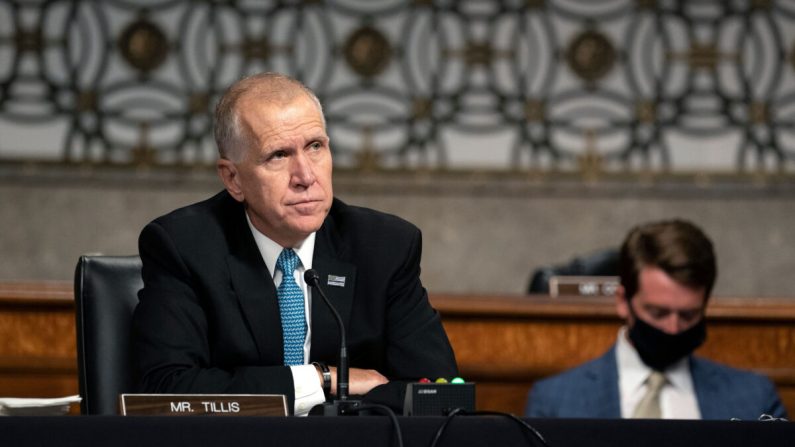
(656, 380)
(287, 261)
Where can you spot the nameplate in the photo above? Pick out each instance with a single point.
(583, 285)
(203, 405)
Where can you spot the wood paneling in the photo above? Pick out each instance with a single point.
(37, 340)
(503, 343)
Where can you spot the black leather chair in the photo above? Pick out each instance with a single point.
(106, 293)
(600, 263)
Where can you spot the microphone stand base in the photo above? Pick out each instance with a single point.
(336, 408)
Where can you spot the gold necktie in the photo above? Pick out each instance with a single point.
(649, 405)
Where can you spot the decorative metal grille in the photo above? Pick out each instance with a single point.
(569, 85)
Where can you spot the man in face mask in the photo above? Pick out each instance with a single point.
(667, 272)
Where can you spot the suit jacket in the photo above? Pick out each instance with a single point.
(591, 391)
(208, 317)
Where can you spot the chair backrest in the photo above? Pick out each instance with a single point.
(106, 293)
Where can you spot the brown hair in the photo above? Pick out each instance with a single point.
(677, 247)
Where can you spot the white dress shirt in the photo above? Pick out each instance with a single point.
(308, 389)
(677, 397)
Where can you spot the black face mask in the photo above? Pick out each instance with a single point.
(660, 349)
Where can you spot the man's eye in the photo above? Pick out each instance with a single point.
(658, 313)
(278, 155)
(316, 146)
(690, 316)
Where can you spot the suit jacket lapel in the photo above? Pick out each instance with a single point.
(327, 261)
(256, 293)
(605, 397)
(710, 402)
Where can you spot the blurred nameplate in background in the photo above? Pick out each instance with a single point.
(203, 405)
(583, 285)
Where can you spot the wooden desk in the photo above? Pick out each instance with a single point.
(38, 356)
(417, 431)
(503, 343)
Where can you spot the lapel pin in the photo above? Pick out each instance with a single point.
(334, 280)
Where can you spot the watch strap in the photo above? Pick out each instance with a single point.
(326, 373)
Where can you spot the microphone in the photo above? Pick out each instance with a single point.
(342, 403)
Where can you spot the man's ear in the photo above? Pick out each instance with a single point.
(622, 305)
(229, 175)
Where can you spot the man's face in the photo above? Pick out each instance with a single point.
(284, 176)
(662, 302)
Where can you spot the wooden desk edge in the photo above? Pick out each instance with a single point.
(542, 306)
(61, 294)
(38, 293)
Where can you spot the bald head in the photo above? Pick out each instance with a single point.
(231, 136)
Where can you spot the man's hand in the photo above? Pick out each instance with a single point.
(360, 381)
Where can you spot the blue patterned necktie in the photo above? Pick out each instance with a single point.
(291, 307)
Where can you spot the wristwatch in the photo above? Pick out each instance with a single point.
(326, 378)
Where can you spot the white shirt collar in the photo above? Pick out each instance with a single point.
(270, 250)
(632, 372)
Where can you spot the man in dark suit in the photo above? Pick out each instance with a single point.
(225, 308)
(667, 272)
